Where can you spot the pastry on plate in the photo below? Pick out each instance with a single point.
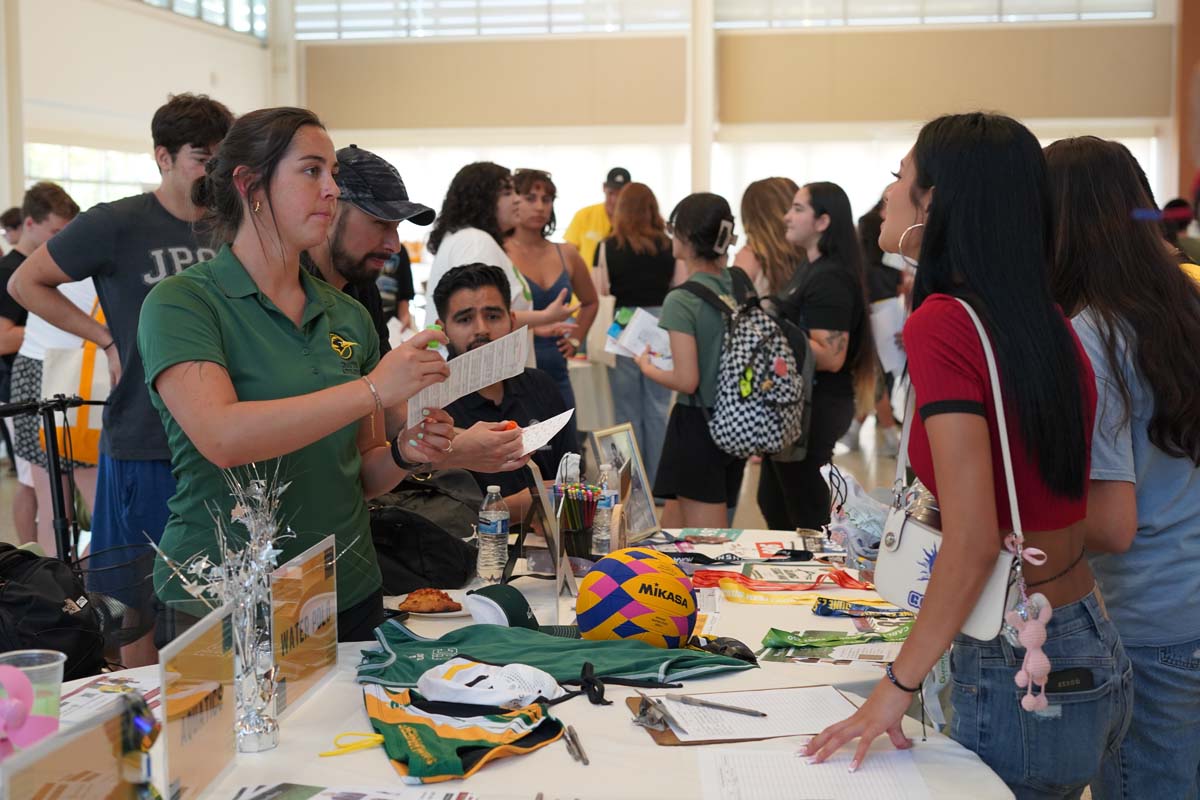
(429, 601)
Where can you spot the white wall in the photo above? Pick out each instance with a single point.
(94, 71)
(860, 158)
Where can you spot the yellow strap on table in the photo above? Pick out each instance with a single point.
(365, 742)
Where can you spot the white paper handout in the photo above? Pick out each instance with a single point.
(474, 370)
(613, 346)
(870, 651)
(535, 436)
(790, 712)
(741, 774)
(642, 332)
(887, 320)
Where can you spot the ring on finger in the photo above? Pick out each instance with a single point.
(449, 447)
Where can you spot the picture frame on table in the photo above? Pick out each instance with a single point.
(618, 447)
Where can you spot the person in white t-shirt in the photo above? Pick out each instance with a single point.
(41, 336)
(479, 209)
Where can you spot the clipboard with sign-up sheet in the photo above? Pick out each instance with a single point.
(791, 711)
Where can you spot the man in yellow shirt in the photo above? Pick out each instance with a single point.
(593, 224)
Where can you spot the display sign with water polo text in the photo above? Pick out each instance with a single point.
(199, 707)
(304, 623)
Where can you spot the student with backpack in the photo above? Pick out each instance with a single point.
(700, 481)
(827, 297)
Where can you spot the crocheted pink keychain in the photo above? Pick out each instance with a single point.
(1035, 668)
(1026, 626)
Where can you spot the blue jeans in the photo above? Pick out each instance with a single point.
(644, 404)
(1160, 756)
(1056, 752)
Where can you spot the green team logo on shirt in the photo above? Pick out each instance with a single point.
(343, 347)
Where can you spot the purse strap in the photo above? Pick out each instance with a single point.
(998, 400)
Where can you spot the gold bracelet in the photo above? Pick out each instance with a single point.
(378, 403)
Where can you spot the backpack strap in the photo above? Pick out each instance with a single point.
(710, 298)
(743, 288)
(707, 295)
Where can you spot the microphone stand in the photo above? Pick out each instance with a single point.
(66, 530)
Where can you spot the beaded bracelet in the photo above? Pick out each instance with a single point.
(891, 676)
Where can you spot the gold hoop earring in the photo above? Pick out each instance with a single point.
(912, 262)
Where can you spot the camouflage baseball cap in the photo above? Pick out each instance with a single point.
(374, 186)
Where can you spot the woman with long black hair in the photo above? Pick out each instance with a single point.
(1138, 315)
(828, 297)
(972, 194)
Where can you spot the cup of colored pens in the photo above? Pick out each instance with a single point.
(577, 509)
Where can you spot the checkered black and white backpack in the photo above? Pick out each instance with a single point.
(764, 382)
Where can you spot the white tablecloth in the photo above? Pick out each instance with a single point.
(625, 763)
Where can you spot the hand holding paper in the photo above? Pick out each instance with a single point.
(472, 371)
(642, 332)
(407, 370)
(489, 447)
(536, 436)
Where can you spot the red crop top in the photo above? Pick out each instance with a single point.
(949, 374)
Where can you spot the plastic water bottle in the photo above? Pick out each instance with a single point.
(493, 536)
(602, 522)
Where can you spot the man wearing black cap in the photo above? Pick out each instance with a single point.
(364, 235)
(592, 225)
(362, 238)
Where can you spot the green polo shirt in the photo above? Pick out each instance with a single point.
(215, 312)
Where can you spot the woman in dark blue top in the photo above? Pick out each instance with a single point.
(553, 272)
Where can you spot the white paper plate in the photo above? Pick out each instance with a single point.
(457, 595)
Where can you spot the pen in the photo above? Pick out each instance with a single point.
(578, 745)
(570, 745)
(699, 701)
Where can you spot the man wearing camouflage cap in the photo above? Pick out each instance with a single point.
(363, 236)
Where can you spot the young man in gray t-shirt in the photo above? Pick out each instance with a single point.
(127, 247)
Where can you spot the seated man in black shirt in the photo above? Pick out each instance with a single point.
(473, 308)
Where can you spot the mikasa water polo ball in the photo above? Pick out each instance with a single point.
(637, 593)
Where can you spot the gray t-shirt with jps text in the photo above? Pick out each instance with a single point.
(127, 247)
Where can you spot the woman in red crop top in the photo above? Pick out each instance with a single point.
(971, 205)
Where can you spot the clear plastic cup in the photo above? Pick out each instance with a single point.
(44, 668)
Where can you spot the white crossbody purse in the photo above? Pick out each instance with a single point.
(909, 547)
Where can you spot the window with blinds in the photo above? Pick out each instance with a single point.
(831, 13)
(243, 16)
(400, 19)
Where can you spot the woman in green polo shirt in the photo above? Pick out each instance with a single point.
(249, 359)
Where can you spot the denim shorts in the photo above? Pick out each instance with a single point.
(1058, 751)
